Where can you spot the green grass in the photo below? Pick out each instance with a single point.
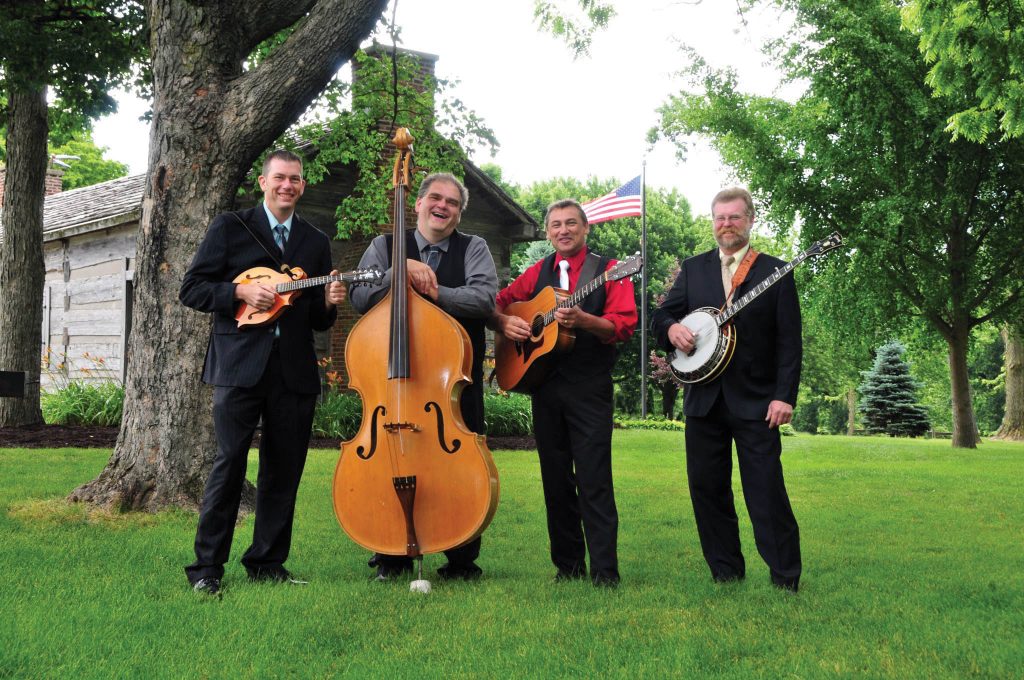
(913, 567)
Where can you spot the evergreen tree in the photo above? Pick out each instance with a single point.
(889, 395)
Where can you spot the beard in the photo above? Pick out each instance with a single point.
(731, 240)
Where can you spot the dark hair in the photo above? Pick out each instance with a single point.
(731, 194)
(566, 203)
(444, 177)
(283, 155)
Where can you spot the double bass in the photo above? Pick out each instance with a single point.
(414, 480)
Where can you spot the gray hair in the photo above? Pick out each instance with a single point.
(566, 203)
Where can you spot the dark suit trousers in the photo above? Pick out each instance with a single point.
(287, 421)
(709, 469)
(573, 425)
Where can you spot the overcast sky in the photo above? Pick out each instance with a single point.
(554, 116)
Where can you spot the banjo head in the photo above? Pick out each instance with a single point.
(706, 360)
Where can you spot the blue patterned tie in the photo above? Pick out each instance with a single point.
(280, 236)
(433, 257)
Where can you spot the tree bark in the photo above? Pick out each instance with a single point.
(851, 412)
(21, 257)
(211, 121)
(965, 429)
(1012, 427)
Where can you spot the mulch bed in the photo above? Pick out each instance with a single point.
(87, 437)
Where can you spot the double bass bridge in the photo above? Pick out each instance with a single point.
(392, 428)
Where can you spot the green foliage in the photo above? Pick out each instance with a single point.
(338, 415)
(342, 127)
(928, 222)
(507, 414)
(868, 606)
(888, 396)
(80, 48)
(577, 31)
(84, 403)
(650, 424)
(976, 49)
(90, 168)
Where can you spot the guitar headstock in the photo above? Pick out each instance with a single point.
(631, 265)
(373, 275)
(830, 242)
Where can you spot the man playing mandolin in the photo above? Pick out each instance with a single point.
(266, 373)
(456, 272)
(746, 403)
(572, 407)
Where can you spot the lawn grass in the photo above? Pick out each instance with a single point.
(913, 567)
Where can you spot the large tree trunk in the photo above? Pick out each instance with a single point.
(21, 256)
(211, 121)
(1012, 426)
(965, 429)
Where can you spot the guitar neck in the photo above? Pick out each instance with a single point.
(309, 283)
(577, 297)
(750, 295)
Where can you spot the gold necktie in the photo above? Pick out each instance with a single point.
(727, 275)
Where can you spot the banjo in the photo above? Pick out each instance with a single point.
(715, 337)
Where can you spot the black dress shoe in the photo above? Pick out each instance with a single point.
(789, 586)
(464, 572)
(565, 575)
(392, 571)
(606, 580)
(281, 575)
(727, 578)
(207, 586)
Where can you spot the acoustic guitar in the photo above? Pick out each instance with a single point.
(521, 365)
(715, 337)
(289, 286)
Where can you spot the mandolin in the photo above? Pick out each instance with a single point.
(518, 364)
(289, 286)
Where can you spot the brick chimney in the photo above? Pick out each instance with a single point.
(54, 182)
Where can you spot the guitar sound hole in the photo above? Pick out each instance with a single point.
(537, 328)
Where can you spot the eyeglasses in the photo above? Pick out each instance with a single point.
(729, 219)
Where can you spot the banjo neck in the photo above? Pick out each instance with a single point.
(748, 297)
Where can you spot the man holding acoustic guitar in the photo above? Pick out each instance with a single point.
(262, 371)
(573, 401)
(744, 394)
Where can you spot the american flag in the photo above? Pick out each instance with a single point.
(623, 202)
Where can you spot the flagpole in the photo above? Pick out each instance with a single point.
(643, 291)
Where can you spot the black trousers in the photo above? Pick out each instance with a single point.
(573, 425)
(709, 469)
(287, 421)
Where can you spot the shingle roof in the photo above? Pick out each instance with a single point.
(115, 198)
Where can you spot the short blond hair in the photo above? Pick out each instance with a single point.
(731, 194)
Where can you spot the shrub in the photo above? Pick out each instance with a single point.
(649, 424)
(82, 403)
(507, 414)
(338, 415)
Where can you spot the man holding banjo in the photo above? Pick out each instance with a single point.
(748, 392)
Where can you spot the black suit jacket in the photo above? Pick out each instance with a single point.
(236, 357)
(766, 363)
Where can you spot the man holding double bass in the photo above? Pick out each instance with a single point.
(747, 403)
(572, 406)
(456, 272)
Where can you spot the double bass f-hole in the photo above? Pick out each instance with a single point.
(440, 428)
(380, 410)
